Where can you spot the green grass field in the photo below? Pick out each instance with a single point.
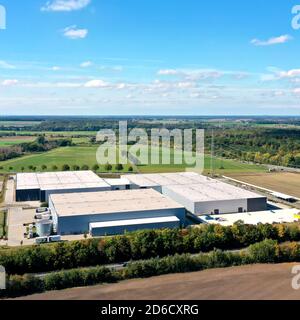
(20, 124)
(81, 155)
(12, 141)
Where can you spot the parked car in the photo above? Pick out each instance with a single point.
(41, 210)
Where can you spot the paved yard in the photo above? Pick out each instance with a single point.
(9, 192)
(16, 218)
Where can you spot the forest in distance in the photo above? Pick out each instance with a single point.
(261, 140)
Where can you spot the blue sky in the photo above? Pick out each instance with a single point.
(149, 57)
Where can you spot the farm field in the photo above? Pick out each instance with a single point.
(14, 140)
(20, 124)
(284, 182)
(69, 155)
(53, 133)
(80, 155)
(259, 282)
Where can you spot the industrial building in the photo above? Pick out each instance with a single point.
(199, 194)
(158, 180)
(269, 216)
(78, 213)
(117, 227)
(38, 186)
(119, 184)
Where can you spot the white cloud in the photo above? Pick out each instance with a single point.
(74, 33)
(297, 91)
(65, 5)
(294, 73)
(168, 72)
(192, 75)
(96, 84)
(86, 64)
(121, 86)
(272, 41)
(56, 68)
(9, 82)
(5, 65)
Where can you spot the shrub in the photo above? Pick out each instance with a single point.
(119, 167)
(264, 252)
(143, 244)
(108, 167)
(66, 167)
(267, 251)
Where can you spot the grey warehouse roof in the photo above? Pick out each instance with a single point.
(166, 179)
(192, 186)
(212, 191)
(105, 202)
(59, 180)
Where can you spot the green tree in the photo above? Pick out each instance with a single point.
(96, 167)
(41, 140)
(44, 167)
(119, 167)
(108, 167)
(264, 252)
(85, 167)
(66, 167)
(54, 167)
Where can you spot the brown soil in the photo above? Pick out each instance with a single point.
(285, 182)
(246, 282)
(16, 138)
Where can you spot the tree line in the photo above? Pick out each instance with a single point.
(41, 144)
(142, 244)
(266, 251)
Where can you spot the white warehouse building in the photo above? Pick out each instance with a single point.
(39, 186)
(199, 194)
(119, 211)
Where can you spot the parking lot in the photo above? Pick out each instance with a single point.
(17, 217)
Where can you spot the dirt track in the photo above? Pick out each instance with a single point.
(246, 282)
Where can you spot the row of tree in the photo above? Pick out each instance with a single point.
(267, 251)
(67, 167)
(143, 244)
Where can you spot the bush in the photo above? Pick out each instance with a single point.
(119, 167)
(25, 285)
(142, 244)
(108, 167)
(95, 167)
(66, 167)
(266, 251)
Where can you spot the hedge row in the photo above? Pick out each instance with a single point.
(141, 245)
(267, 251)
